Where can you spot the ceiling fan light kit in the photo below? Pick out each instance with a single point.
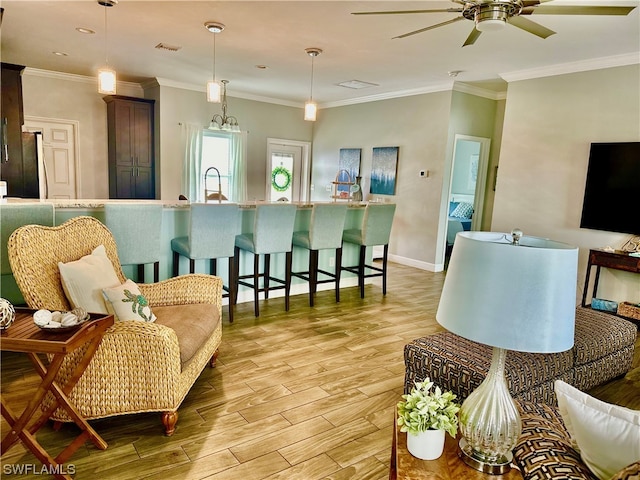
(493, 15)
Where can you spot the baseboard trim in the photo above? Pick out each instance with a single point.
(410, 262)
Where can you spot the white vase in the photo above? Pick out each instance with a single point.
(426, 445)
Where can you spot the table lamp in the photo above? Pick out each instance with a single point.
(510, 292)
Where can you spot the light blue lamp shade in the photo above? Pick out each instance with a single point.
(515, 297)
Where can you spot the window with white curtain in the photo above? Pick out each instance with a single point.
(216, 152)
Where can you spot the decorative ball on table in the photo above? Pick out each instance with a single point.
(7, 314)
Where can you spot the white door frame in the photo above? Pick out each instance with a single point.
(481, 184)
(305, 177)
(75, 125)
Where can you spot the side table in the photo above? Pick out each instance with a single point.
(449, 466)
(24, 336)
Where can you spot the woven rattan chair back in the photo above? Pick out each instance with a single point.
(35, 250)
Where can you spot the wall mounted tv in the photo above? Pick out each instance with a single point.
(612, 191)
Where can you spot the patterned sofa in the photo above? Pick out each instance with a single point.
(603, 350)
(544, 450)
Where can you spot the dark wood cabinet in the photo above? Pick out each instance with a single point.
(131, 147)
(18, 163)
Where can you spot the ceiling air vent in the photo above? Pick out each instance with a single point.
(166, 46)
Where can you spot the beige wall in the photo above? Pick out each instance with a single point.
(419, 126)
(261, 120)
(549, 124)
(77, 99)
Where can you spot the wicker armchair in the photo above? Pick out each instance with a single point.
(137, 367)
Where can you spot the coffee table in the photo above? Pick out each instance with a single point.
(449, 466)
(24, 336)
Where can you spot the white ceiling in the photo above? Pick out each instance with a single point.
(276, 34)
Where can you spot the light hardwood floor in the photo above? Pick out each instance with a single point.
(303, 395)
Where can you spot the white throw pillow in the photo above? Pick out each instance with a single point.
(127, 303)
(608, 436)
(84, 279)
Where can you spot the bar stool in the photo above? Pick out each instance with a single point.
(325, 232)
(375, 230)
(212, 234)
(137, 231)
(272, 233)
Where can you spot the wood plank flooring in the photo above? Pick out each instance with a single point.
(303, 395)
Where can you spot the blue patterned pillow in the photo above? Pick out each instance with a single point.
(463, 210)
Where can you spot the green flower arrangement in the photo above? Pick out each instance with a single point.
(425, 409)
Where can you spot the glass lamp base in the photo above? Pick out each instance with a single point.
(498, 467)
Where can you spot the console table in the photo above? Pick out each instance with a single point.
(615, 260)
(24, 336)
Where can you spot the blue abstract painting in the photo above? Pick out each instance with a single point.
(384, 165)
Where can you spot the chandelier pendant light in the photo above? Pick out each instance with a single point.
(106, 74)
(224, 122)
(311, 107)
(213, 87)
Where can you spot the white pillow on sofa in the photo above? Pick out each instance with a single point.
(84, 279)
(126, 302)
(608, 436)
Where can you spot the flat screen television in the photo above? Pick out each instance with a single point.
(612, 191)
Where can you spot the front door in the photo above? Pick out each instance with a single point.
(284, 173)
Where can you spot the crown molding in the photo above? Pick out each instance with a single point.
(71, 77)
(573, 67)
(441, 87)
(165, 82)
(479, 92)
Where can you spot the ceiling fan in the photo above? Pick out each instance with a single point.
(490, 15)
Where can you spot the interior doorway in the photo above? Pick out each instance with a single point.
(465, 197)
(59, 147)
(288, 172)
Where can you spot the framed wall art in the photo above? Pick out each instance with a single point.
(349, 161)
(384, 166)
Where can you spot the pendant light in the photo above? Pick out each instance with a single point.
(311, 107)
(213, 87)
(106, 75)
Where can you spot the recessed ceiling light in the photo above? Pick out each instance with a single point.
(261, 67)
(61, 54)
(88, 31)
(357, 84)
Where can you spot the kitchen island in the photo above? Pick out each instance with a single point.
(175, 223)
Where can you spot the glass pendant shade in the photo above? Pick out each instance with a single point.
(213, 92)
(107, 81)
(310, 110)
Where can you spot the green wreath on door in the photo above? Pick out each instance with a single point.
(280, 179)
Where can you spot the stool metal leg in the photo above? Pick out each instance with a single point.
(192, 265)
(363, 251)
(338, 270)
(287, 281)
(313, 274)
(384, 269)
(141, 273)
(267, 274)
(156, 272)
(256, 283)
(236, 273)
(232, 287)
(176, 263)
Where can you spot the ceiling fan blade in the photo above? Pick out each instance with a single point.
(402, 12)
(473, 36)
(576, 10)
(531, 27)
(431, 27)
